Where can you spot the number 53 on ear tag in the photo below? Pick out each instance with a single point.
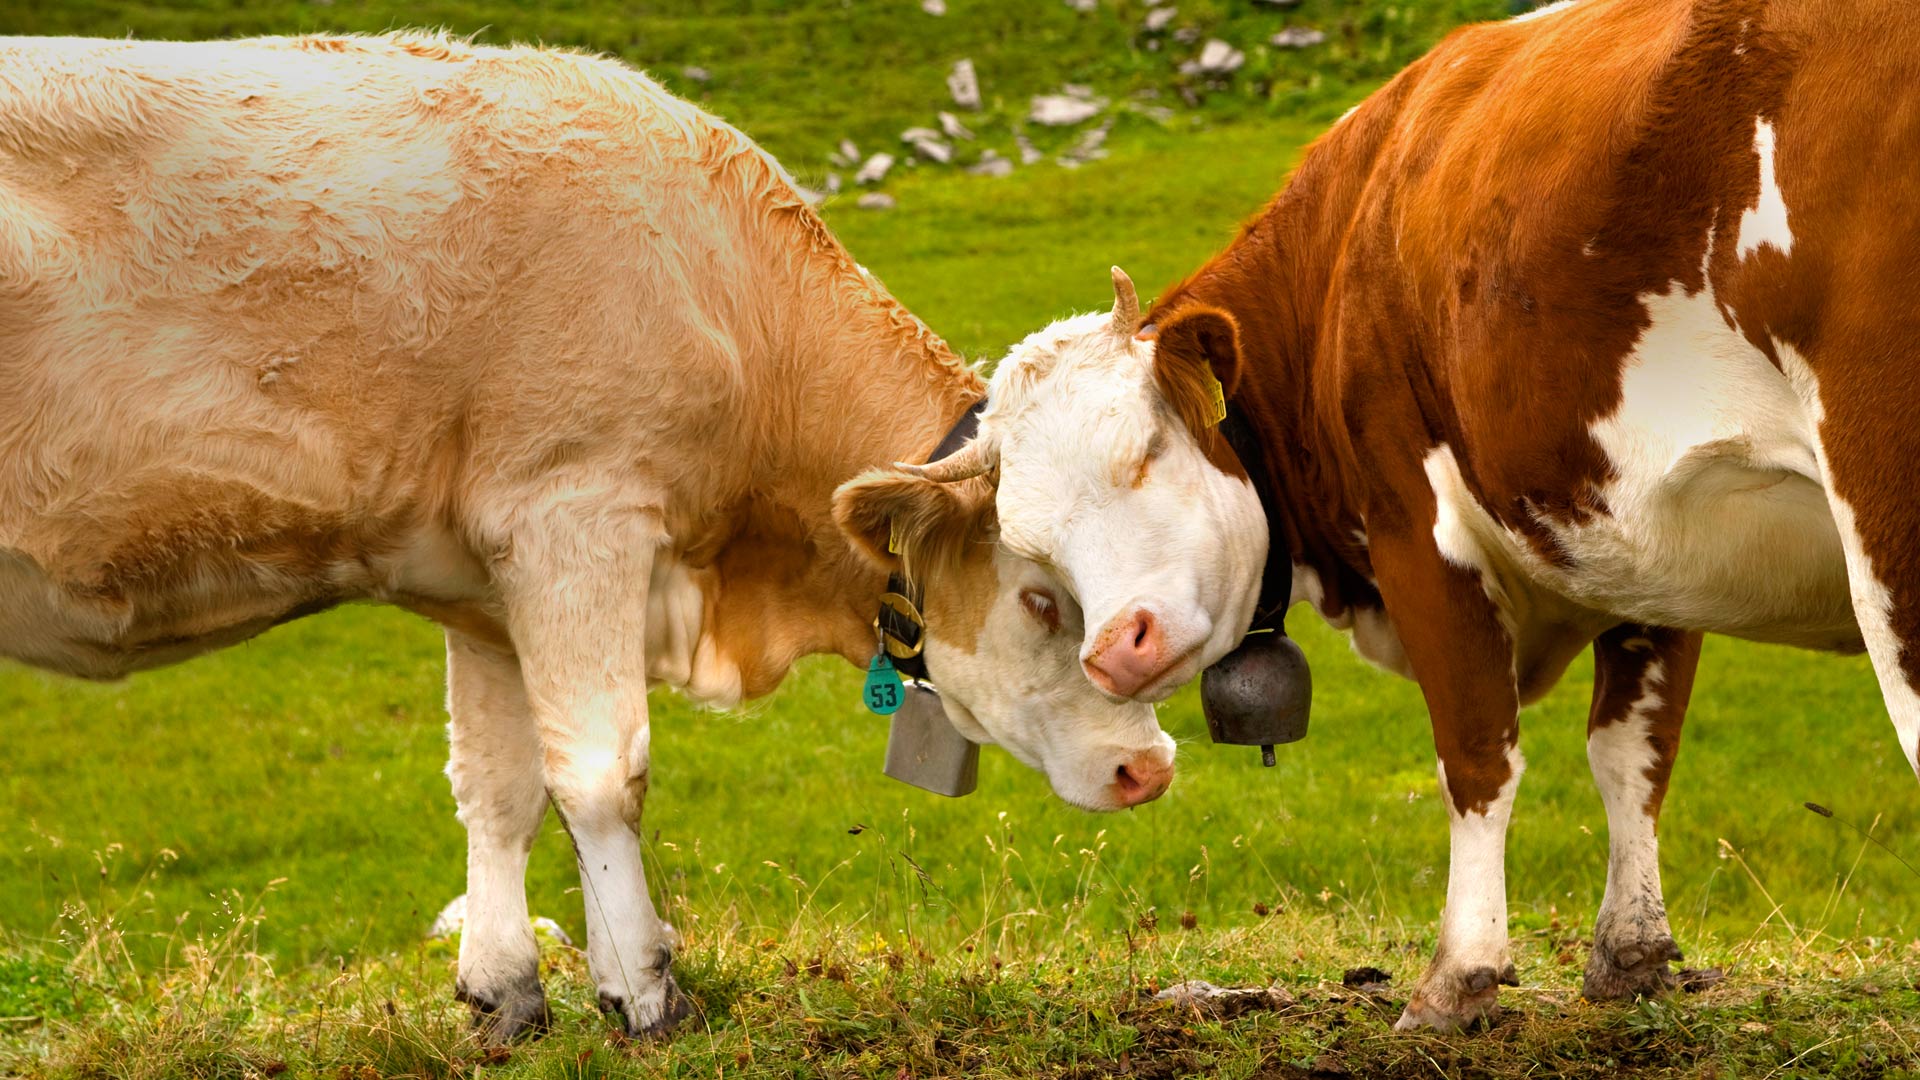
(884, 691)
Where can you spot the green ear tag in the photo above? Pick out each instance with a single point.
(884, 691)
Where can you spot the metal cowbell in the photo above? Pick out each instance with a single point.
(1259, 694)
(925, 750)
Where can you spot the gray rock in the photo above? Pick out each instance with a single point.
(1028, 154)
(1089, 146)
(543, 925)
(1297, 37)
(833, 183)
(954, 129)
(696, 73)
(927, 143)
(1187, 35)
(849, 151)
(934, 7)
(453, 919)
(1083, 5)
(1219, 58)
(1077, 90)
(875, 170)
(964, 85)
(1224, 1001)
(876, 200)
(992, 164)
(1059, 110)
(1159, 18)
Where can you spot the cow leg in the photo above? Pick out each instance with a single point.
(1463, 658)
(1858, 394)
(575, 580)
(1642, 678)
(501, 792)
(1879, 521)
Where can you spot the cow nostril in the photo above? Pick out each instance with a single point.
(1142, 626)
(1126, 779)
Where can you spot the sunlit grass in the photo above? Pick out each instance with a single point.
(225, 867)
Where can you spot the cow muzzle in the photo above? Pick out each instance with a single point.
(1134, 656)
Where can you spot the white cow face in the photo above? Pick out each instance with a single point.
(1003, 641)
(1110, 472)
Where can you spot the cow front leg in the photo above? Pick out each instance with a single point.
(576, 588)
(1463, 658)
(1643, 676)
(500, 788)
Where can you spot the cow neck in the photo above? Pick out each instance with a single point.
(860, 383)
(1273, 279)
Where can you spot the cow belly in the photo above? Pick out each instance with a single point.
(1717, 544)
(1730, 549)
(46, 625)
(209, 601)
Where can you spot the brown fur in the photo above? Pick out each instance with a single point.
(942, 532)
(1462, 261)
(247, 406)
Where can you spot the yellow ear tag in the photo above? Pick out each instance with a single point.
(893, 538)
(1218, 394)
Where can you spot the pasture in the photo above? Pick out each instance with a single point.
(228, 869)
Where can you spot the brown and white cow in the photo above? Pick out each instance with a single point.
(515, 340)
(1595, 326)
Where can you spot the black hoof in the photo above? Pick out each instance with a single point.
(1624, 970)
(520, 1012)
(652, 1015)
(1457, 1002)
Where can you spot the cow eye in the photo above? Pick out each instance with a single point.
(1040, 604)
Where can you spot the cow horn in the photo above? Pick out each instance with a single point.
(1126, 304)
(968, 461)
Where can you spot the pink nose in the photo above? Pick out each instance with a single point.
(1143, 779)
(1129, 654)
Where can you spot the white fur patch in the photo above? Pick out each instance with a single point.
(1620, 755)
(1473, 928)
(1075, 414)
(1766, 221)
(1550, 9)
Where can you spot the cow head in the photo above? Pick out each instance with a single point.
(1003, 640)
(1111, 472)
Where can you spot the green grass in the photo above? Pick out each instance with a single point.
(220, 867)
(801, 75)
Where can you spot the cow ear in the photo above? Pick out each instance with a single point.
(888, 515)
(1193, 347)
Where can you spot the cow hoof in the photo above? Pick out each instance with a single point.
(1456, 1001)
(652, 1013)
(512, 1013)
(1623, 970)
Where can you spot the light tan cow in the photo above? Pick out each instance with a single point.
(515, 340)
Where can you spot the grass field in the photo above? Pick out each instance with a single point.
(228, 867)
